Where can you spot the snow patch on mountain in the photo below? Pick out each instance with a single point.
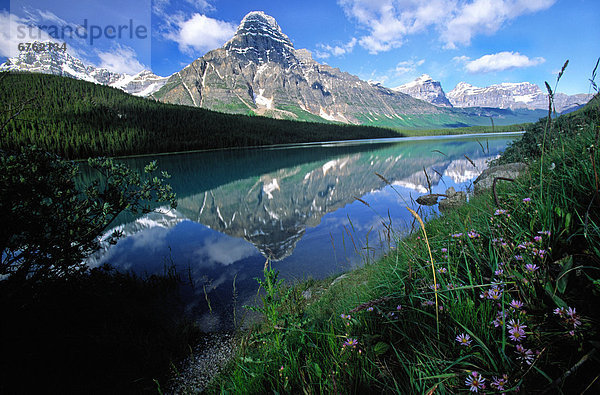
(63, 64)
(425, 88)
(512, 95)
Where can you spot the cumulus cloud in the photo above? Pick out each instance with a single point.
(164, 7)
(121, 59)
(226, 250)
(408, 66)
(499, 61)
(15, 30)
(199, 33)
(487, 17)
(389, 22)
(325, 51)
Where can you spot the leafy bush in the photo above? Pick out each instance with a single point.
(51, 223)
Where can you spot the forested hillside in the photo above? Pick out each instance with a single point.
(78, 119)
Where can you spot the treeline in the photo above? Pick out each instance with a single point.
(78, 119)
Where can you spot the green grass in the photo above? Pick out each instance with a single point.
(377, 329)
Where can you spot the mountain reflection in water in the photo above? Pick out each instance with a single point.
(297, 206)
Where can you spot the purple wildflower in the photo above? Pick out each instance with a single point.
(427, 303)
(572, 317)
(516, 335)
(527, 200)
(524, 354)
(516, 304)
(442, 270)
(350, 342)
(495, 294)
(370, 308)
(444, 250)
(475, 382)
(500, 383)
(537, 239)
(473, 235)
(560, 311)
(499, 212)
(516, 330)
(516, 324)
(499, 321)
(464, 339)
(399, 307)
(544, 232)
(522, 246)
(531, 267)
(457, 235)
(518, 257)
(499, 272)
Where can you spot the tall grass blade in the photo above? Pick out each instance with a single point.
(435, 286)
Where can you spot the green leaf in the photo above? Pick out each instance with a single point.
(381, 348)
(318, 370)
(563, 277)
(550, 292)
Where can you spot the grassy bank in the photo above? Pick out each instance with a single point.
(494, 296)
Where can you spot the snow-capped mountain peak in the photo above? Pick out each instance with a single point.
(513, 95)
(425, 88)
(260, 39)
(64, 64)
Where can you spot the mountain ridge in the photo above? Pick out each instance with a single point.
(60, 63)
(259, 72)
(506, 95)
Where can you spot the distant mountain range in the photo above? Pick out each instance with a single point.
(259, 72)
(521, 95)
(61, 63)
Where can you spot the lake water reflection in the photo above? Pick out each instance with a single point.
(294, 205)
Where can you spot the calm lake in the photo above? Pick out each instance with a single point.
(295, 205)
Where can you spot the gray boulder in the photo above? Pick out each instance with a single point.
(486, 178)
(453, 199)
(429, 200)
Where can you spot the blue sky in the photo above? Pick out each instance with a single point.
(482, 42)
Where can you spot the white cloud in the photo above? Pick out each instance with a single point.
(226, 250)
(15, 30)
(499, 62)
(487, 17)
(199, 33)
(159, 7)
(389, 22)
(461, 59)
(408, 66)
(201, 5)
(121, 59)
(325, 51)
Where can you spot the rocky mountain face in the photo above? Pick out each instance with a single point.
(425, 88)
(260, 71)
(61, 63)
(523, 95)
